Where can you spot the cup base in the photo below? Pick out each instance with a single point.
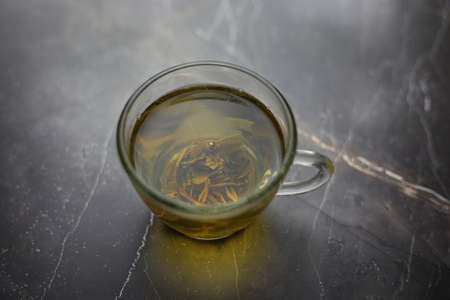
(212, 238)
(209, 235)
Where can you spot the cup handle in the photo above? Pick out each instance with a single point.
(325, 169)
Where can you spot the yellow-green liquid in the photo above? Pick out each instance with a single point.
(206, 145)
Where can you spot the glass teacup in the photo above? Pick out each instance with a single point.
(214, 222)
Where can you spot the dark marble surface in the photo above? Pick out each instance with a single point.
(368, 80)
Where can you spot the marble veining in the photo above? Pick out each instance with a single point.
(136, 259)
(374, 169)
(80, 216)
(236, 277)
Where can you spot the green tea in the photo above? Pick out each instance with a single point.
(206, 145)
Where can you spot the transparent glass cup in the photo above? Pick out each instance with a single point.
(218, 221)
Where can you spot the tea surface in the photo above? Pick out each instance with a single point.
(206, 145)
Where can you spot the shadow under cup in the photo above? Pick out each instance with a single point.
(215, 221)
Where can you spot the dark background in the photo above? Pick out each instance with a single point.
(368, 81)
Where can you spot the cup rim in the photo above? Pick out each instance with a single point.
(191, 210)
